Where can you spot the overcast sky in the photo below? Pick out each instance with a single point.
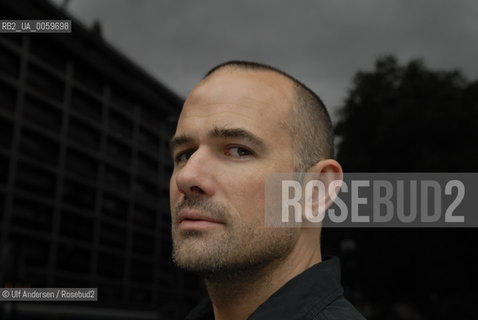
(321, 42)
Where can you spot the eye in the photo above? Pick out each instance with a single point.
(239, 152)
(183, 156)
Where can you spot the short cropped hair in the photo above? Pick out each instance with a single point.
(309, 123)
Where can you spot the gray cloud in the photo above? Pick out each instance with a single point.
(323, 43)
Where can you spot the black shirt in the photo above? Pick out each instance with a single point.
(315, 294)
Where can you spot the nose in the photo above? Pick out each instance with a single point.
(195, 177)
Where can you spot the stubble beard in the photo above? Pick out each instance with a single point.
(232, 250)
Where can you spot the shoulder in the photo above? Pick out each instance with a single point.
(339, 309)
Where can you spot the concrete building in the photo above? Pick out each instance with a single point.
(84, 174)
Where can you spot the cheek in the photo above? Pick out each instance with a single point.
(247, 199)
(173, 190)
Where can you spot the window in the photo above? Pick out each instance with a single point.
(35, 180)
(165, 249)
(81, 164)
(165, 221)
(48, 53)
(10, 62)
(3, 171)
(146, 191)
(143, 244)
(86, 105)
(89, 77)
(70, 282)
(148, 140)
(76, 226)
(119, 126)
(117, 178)
(6, 133)
(45, 83)
(110, 266)
(73, 258)
(2, 204)
(118, 152)
(113, 236)
(147, 166)
(144, 217)
(77, 194)
(7, 97)
(142, 271)
(141, 295)
(31, 214)
(122, 100)
(115, 207)
(110, 293)
(29, 251)
(83, 134)
(42, 114)
(152, 116)
(12, 38)
(38, 147)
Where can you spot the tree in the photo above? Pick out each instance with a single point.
(409, 118)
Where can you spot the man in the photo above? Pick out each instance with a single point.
(244, 120)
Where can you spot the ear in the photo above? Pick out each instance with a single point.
(330, 177)
(329, 166)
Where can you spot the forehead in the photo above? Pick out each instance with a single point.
(250, 98)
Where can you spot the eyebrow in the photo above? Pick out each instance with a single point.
(179, 141)
(218, 132)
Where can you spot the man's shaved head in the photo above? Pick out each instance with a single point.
(308, 123)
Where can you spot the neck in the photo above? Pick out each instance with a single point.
(236, 297)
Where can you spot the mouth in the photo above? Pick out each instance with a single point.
(193, 219)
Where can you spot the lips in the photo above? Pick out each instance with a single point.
(193, 219)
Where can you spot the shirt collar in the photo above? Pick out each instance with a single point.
(307, 293)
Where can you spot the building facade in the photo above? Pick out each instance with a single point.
(84, 173)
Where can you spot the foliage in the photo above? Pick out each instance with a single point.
(409, 118)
